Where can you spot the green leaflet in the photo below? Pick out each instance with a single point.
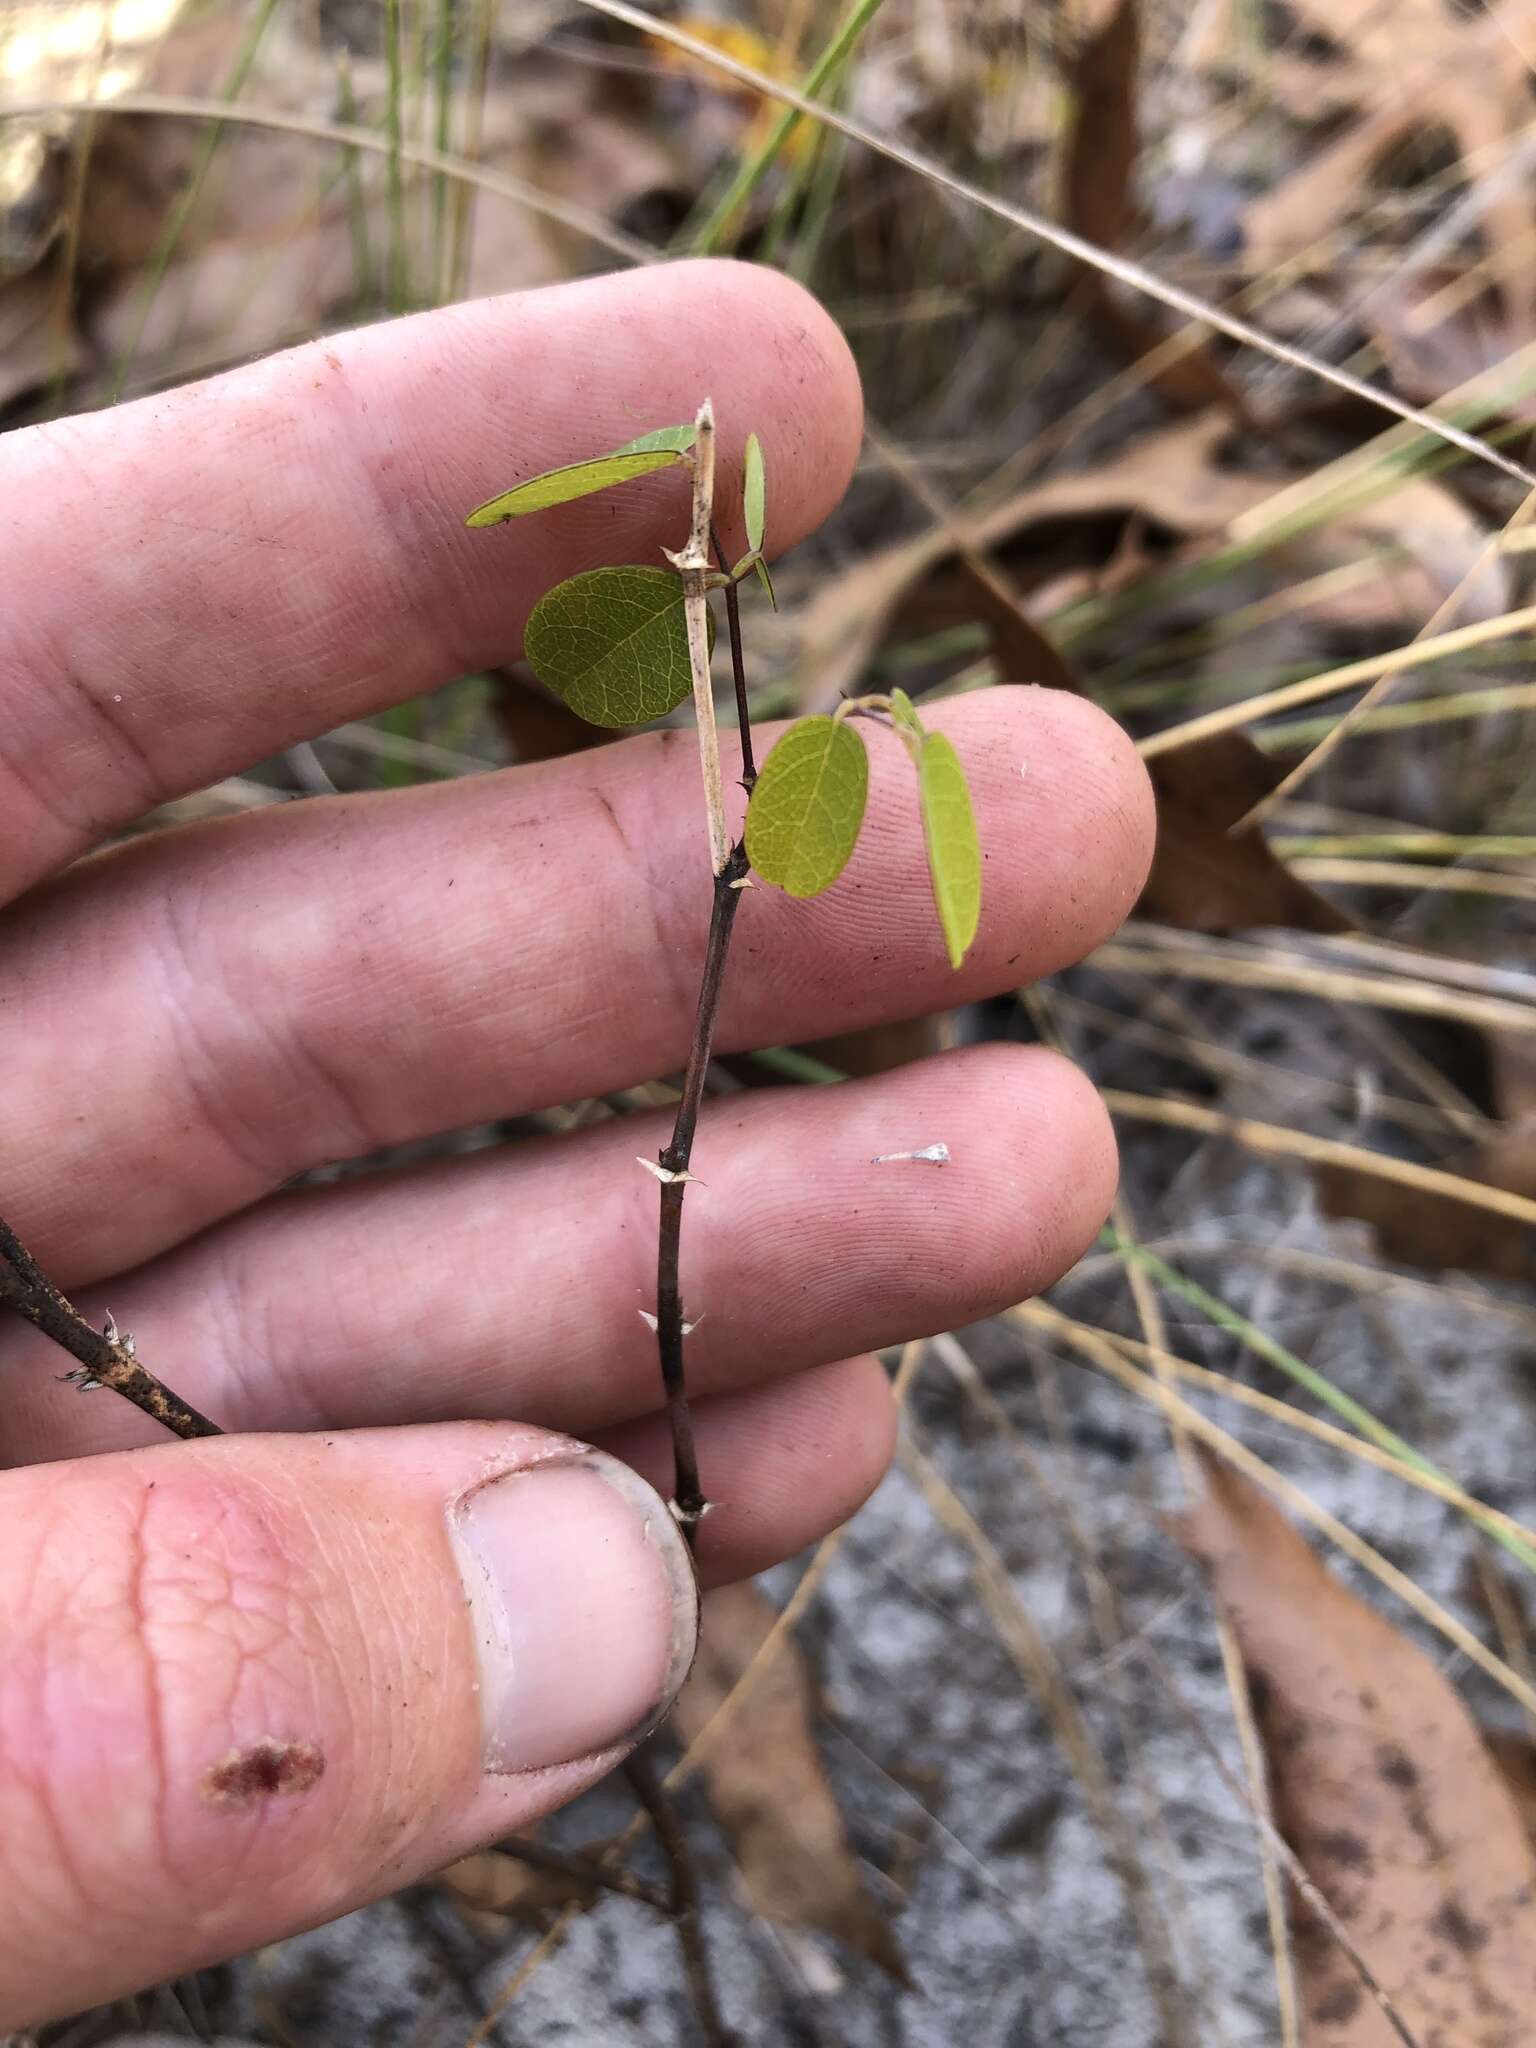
(681, 439)
(612, 644)
(658, 450)
(954, 851)
(754, 493)
(756, 563)
(904, 716)
(808, 805)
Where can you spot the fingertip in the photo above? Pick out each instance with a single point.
(1067, 823)
(808, 397)
(1119, 810)
(784, 1462)
(1069, 1124)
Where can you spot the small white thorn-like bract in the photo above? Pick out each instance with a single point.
(745, 882)
(648, 1319)
(929, 1155)
(686, 1518)
(664, 1174)
(109, 1329)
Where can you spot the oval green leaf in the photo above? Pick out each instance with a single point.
(754, 493)
(612, 643)
(808, 805)
(575, 480)
(954, 851)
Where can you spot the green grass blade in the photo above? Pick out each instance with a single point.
(1343, 1405)
(186, 205)
(717, 229)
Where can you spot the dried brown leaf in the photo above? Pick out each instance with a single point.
(1099, 164)
(1207, 878)
(1169, 479)
(1417, 65)
(489, 1883)
(1384, 1788)
(535, 724)
(1417, 1227)
(1204, 876)
(768, 1786)
(1515, 1756)
(271, 251)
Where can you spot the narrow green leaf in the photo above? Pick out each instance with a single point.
(808, 805)
(904, 715)
(954, 851)
(575, 480)
(766, 581)
(612, 643)
(754, 493)
(679, 439)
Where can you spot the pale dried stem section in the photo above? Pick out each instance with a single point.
(693, 565)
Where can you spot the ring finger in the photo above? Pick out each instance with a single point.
(512, 1283)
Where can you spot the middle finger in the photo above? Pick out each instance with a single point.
(192, 1020)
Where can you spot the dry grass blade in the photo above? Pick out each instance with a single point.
(1377, 694)
(1384, 1788)
(1041, 1670)
(1091, 1345)
(1149, 1312)
(1133, 275)
(1493, 702)
(1272, 1142)
(1291, 1417)
(344, 135)
(1249, 710)
(1301, 975)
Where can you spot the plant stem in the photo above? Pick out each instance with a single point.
(693, 566)
(584, 1874)
(738, 669)
(684, 1896)
(728, 865)
(104, 1360)
(689, 1501)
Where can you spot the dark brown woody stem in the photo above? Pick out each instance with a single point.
(683, 1897)
(103, 1360)
(738, 669)
(688, 1496)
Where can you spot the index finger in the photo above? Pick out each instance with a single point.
(200, 579)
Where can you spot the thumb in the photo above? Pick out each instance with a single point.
(250, 1683)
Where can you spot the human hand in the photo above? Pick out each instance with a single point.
(250, 1682)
